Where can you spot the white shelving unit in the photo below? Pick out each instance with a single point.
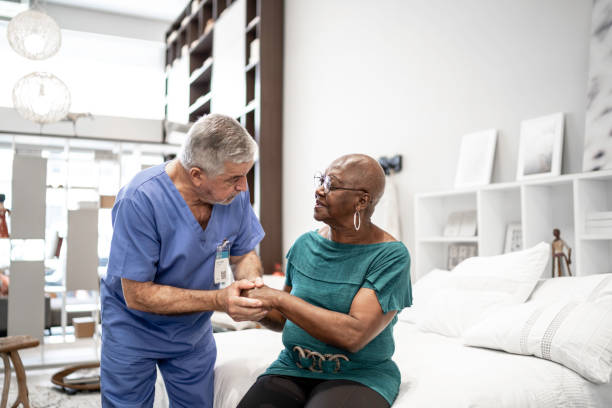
(539, 205)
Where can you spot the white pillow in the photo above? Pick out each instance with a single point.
(579, 288)
(481, 285)
(451, 311)
(422, 290)
(577, 335)
(514, 274)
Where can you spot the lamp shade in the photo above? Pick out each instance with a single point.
(34, 35)
(41, 97)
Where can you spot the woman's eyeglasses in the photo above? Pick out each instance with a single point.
(325, 181)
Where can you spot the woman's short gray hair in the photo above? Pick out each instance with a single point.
(214, 139)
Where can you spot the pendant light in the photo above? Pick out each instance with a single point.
(34, 35)
(41, 97)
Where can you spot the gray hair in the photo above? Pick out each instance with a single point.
(214, 139)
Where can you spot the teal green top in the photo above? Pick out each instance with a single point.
(328, 274)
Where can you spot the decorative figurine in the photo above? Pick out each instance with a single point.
(3, 211)
(559, 257)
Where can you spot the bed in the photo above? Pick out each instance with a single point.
(437, 371)
(487, 302)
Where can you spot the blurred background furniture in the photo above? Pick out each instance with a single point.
(9, 347)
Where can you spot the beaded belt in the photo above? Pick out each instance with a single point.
(313, 360)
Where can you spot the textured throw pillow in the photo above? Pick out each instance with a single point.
(577, 335)
(423, 290)
(481, 285)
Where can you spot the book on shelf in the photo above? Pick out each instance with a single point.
(599, 222)
(599, 215)
(254, 51)
(194, 6)
(457, 253)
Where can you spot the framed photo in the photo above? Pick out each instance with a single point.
(540, 147)
(476, 154)
(598, 126)
(514, 238)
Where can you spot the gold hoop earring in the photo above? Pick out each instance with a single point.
(357, 220)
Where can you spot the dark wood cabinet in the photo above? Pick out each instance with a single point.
(191, 35)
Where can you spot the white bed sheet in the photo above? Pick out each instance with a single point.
(437, 371)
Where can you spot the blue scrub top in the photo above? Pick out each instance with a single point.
(157, 238)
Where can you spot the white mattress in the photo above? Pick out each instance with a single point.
(437, 371)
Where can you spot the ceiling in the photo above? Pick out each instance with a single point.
(164, 10)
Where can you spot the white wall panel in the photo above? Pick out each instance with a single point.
(28, 197)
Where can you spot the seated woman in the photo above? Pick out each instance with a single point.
(345, 283)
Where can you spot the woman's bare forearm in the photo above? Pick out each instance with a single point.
(337, 329)
(274, 320)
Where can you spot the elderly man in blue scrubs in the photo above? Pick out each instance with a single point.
(177, 227)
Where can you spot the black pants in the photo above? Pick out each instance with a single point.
(279, 391)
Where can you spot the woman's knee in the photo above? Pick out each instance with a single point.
(274, 391)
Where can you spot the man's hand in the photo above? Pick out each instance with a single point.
(241, 308)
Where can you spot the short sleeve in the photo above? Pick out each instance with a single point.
(389, 277)
(289, 270)
(135, 245)
(251, 231)
(289, 267)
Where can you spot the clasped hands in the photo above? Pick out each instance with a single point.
(249, 300)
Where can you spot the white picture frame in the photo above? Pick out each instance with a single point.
(540, 147)
(476, 154)
(514, 238)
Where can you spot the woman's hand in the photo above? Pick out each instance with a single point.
(267, 295)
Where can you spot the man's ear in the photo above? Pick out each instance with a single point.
(197, 175)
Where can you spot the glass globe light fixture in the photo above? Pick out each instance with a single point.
(41, 97)
(34, 35)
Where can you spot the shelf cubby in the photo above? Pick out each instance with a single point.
(203, 45)
(252, 25)
(202, 75)
(498, 208)
(539, 205)
(594, 256)
(430, 255)
(433, 211)
(200, 106)
(546, 207)
(592, 195)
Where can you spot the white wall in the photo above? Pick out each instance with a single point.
(411, 77)
(95, 21)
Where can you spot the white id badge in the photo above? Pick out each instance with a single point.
(222, 262)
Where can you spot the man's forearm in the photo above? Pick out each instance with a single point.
(168, 300)
(248, 267)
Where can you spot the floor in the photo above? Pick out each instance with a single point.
(57, 352)
(61, 351)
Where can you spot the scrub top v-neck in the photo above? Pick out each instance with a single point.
(157, 238)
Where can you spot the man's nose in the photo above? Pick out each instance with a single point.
(242, 184)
